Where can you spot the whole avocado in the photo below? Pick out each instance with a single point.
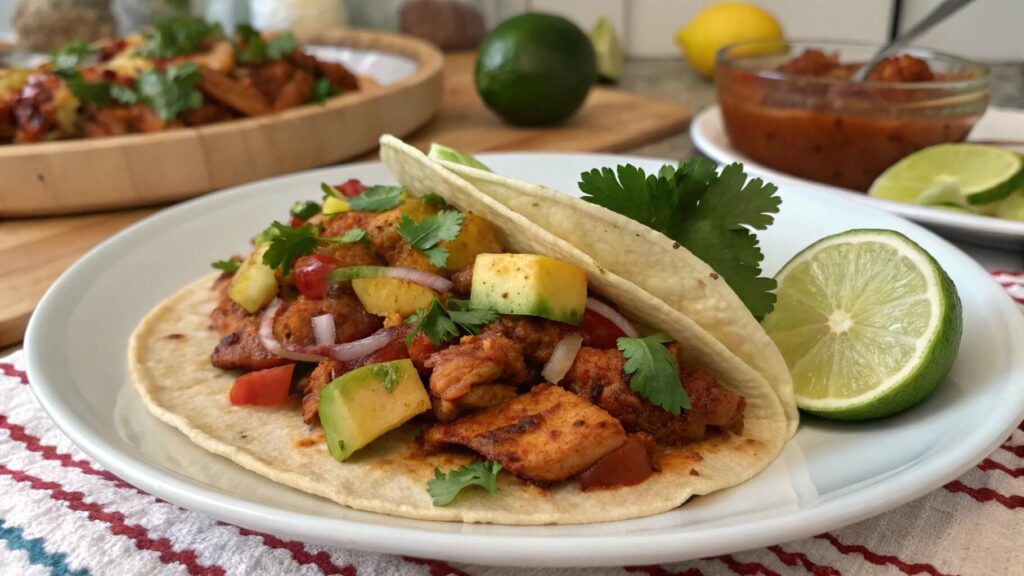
(535, 69)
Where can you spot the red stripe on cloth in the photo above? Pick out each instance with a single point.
(879, 559)
(989, 464)
(791, 559)
(1017, 451)
(436, 567)
(659, 571)
(745, 568)
(116, 524)
(32, 444)
(983, 495)
(321, 559)
(1006, 273)
(10, 370)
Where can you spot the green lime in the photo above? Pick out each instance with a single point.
(609, 53)
(535, 69)
(442, 152)
(1012, 208)
(868, 323)
(963, 174)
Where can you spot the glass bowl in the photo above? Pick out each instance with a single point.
(832, 130)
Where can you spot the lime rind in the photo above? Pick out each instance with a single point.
(895, 339)
(442, 152)
(610, 58)
(960, 174)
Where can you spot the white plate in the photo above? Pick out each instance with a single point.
(1003, 124)
(830, 475)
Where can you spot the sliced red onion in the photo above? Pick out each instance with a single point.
(359, 348)
(276, 348)
(416, 276)
(343, 352)
(613, 316)
(562, 357)
(323, 329)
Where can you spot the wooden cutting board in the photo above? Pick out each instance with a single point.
(34, 252)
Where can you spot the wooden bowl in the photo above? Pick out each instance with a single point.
(98, 174)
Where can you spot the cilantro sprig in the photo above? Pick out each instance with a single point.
(350, 237)
(441, 324)
(287, 244)
(710, 213)
(377, 199)
(444, 487)
(229, 266)
(387, 373)
(426, 234)
(304, 210)
(322, 90)
(252, 48)
(177, 36)
(653, 372)
(68, 58)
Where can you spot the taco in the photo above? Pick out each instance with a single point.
(398, 344)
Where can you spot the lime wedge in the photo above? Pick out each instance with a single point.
(442, 152)
(609, 53)
(868, 323)
(1012, 208)
(952, 174)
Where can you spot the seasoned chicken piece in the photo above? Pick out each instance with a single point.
(598, 376)
(240, 96)
(220, 57)
(478, 398)
(242, 349)
(338, 224)
(351, 320)
(391, 246)
(462, 281)
(270, 77)
(474, 361)
(545, 435)
(324, 373)
(228, 316)
(296, 92)
(537, 336)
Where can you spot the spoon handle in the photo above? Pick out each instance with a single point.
(941, 12)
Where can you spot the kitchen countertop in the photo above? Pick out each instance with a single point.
(673, 80)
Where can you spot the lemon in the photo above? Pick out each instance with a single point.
(868, 323)
(722, 24)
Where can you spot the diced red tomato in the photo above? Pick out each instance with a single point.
(394, 350)
(627, 465)
(420, 349)
(296, 222)
(350, 188)
(264, 387)
(601, 332)
(311, 273)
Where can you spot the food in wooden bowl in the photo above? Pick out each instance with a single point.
(182, 72)
(792, 106)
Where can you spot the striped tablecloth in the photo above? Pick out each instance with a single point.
(61, 513)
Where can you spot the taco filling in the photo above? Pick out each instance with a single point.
(376, 310)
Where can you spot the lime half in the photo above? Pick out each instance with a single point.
(442, 152)
(963, 174)
(1013, 207)
(868, 323)
(609, 53)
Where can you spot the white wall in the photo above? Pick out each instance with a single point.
(985, 29)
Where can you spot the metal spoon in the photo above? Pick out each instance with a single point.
(941, 12)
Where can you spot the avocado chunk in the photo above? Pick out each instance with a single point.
(529, 285)
(360, 406)
(254, 285)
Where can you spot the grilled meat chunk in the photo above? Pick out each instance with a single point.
(338, 224)
(462, 281)
(241, 349)
(538, 337)
(478, 398)
(598, 376)
(324, 373)
(391, 246)
(351, 320)
(474, 361)
(545, 435)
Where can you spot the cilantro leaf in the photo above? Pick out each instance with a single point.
(387, 373)
(471, 320)
(445, 487)
(434, 322)
(288, 244)
(171, 92)
(433, 200)
(265, 235)
(653, 372)
(304, 210)
(322, 90)
(124, 94)
(351, 237)
(68, 58)
(330, 191)
(280, 46)
(710, 213)
(229, 266)
(375, 199)
(427, 233)
(177, 36)
(252, 48)
(95, 93)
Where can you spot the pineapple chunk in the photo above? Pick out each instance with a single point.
(255, 284)
(386, 296)
(476, 237)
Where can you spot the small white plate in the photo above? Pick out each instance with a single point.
(831, 474)
(998, 124)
